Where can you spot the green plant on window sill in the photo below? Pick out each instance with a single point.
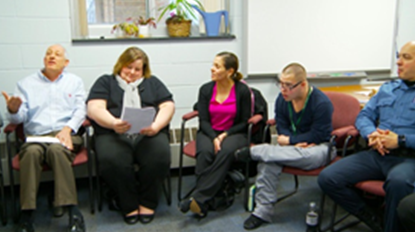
(180, 10)
(181, 13)
(151, 22)
(125, 29)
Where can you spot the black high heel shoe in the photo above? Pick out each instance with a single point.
(146, 218)
(131, 220)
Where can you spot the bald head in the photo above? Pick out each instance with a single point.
(297, 70)
(55, 61)
(406, 62)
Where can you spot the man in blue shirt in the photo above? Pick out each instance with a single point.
(303, 115)
(50, 103)
(388, 123)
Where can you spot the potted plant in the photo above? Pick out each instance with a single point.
(179, 22)
(144, 26)
(125, 29)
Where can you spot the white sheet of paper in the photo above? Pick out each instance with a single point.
(138, 118)
(42, 139)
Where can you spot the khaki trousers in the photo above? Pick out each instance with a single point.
(33, 156)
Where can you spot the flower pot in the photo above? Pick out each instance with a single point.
(144, 31)
(179, 28)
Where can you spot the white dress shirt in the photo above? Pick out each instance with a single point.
(50, 105)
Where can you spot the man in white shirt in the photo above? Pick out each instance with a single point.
(50, 102)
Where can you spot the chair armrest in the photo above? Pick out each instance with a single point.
(86, 123)
(10, 128)
(190, 115)
(255, 119)
(353, 132)
(271, 122)
(342, 131)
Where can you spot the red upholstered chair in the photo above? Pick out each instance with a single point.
(374, 187)
(82, 157)
(369, 188)
(189, 150)
(346, 109)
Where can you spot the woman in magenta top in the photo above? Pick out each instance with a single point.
(224, 106)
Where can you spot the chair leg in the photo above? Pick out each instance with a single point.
(91, 187)
(98, 185)
(179, 191)
(292, 192)
(321, 216)
(246, 194)
(3, 209)
(14, 211)
(179, 184)
(334, 222)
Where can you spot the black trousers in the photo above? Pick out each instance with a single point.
(117, 155)
(406, 212)
(211, 168)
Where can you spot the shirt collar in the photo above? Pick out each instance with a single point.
(44, 78)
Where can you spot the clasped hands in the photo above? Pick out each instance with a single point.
(383, 141)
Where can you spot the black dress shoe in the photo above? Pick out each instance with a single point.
(184, 205)
(146, 218)
(25, 227)
(253, 222)
(58, 211)
(243, 154)
(76, 224)
(131, 220)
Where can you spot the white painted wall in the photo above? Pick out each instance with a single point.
(28, 27)
(26, 33)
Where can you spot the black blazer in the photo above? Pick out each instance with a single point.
(243, 109)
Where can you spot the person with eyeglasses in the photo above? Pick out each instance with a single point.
(303, 116)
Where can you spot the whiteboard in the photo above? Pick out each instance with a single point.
(323, 35)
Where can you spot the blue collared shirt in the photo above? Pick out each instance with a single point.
(50, 105)
(393, 108)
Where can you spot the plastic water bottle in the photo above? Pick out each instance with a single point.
(312, 218)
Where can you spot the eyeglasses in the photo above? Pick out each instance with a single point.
(287, 86)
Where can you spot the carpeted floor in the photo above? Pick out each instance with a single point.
(289, 214)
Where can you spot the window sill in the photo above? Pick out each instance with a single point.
(151, 39)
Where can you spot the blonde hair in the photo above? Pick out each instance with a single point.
(230, 60)
(130, 55)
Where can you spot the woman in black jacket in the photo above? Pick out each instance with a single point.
(224, 106)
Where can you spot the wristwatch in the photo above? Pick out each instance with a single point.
(401, 140)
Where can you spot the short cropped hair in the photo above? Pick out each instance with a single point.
(297, 69)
